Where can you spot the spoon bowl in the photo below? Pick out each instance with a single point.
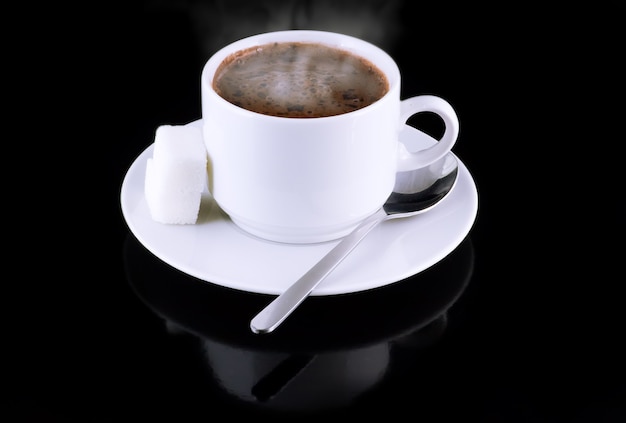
(415, 192)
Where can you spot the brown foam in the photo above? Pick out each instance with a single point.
(299, 80)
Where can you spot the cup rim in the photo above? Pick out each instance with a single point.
(366, 49)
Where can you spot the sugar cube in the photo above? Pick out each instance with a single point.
(176, 174)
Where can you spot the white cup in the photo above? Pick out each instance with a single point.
(307, 180)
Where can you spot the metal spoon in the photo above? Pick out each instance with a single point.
(414, 192)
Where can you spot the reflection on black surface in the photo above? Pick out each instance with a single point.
(331, 352)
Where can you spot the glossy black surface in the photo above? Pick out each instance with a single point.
(524, 322)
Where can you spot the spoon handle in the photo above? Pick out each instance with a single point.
(282, 306)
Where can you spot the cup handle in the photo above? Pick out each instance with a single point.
(427, 103)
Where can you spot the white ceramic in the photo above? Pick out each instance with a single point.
(217, 251)
(304, 180)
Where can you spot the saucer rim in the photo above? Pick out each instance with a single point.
(135, 176)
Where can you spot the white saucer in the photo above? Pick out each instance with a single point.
(217, 251)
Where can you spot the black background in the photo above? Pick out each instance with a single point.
(538, 332)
